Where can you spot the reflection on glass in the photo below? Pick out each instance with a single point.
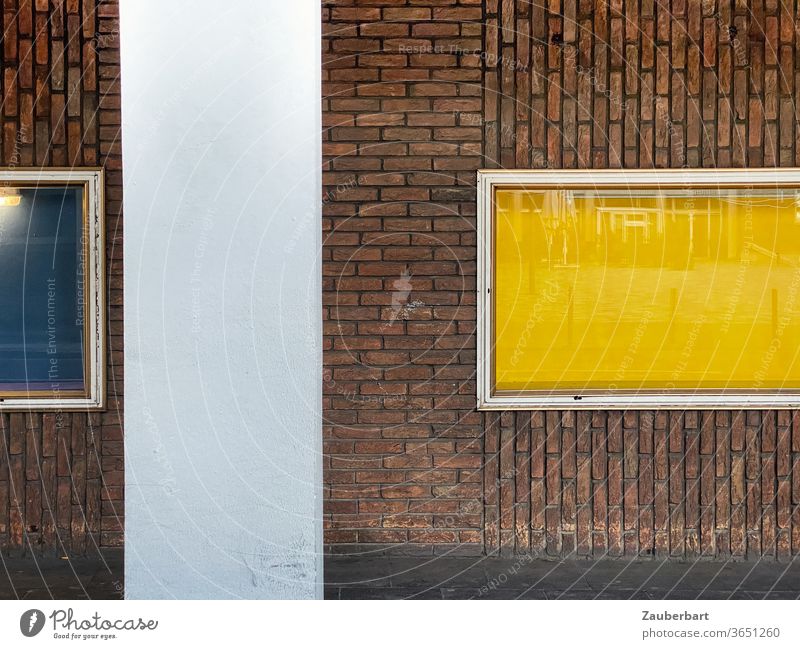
(42, 291)
(646, 289)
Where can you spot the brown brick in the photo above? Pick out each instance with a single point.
(406, 14)
(670, 484)
(57, 485)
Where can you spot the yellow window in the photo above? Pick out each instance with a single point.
(630, 290)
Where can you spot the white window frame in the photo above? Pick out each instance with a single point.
(93, 181)
(491, 180)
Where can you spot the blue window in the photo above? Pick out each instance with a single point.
(51, 290)
(42, 290)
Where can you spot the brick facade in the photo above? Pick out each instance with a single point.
(61, 474)
(417, 95)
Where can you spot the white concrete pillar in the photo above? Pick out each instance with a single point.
(222, 238)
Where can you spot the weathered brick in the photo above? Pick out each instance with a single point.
(673, 89)
(59, 483)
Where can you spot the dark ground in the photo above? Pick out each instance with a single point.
(350, 577)
(53, 578)
(381, 577)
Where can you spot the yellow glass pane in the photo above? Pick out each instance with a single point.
(646, 289)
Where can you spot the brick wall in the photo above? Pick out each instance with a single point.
(418, 94)
(61, 474)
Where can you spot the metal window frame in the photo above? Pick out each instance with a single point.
(94, 395)
(489, 180)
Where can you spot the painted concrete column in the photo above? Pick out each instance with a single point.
(221, 123)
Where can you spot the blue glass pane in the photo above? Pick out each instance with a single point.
(42, 290)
